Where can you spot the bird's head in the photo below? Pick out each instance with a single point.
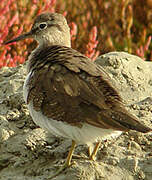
(48, 29)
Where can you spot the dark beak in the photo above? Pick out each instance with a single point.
(21, 37)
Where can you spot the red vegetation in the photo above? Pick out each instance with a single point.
(97, 26)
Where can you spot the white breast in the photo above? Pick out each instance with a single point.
(87, 134)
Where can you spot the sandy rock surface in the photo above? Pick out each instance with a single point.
(29, 153)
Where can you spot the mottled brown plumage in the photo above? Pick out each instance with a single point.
(69, 87)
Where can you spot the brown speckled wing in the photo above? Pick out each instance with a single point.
(69, 87)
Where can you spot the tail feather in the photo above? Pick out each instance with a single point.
(118, 120)
(135, 125)
(130, 121)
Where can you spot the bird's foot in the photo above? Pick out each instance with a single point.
(67, 164)
(75, 156)
(92, 156)
(61, 169)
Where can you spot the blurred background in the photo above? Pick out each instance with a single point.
(97, 26)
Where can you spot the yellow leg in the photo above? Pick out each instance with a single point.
(89, 151)
(68, 161)
(95, 150)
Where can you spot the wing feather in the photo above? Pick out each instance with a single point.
(73, 89)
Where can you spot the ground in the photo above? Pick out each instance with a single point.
(29, 153)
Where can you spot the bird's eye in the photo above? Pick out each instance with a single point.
(42, 26)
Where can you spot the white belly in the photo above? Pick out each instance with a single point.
(87, 134)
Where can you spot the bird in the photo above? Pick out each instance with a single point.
(67, 93)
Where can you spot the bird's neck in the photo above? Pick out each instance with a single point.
(56, 38)
(44, 42)
(49, 43)
(41, 55)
